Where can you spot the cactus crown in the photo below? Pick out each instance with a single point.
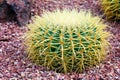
(67, 41)
(111, 9)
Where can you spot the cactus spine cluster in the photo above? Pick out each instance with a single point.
(67, 41)
(111, 9)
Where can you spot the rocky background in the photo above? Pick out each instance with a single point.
(14, 64)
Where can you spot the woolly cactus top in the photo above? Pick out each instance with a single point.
(68, 18)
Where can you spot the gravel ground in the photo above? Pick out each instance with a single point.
(14, 64)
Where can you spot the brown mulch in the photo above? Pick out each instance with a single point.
(14, 64)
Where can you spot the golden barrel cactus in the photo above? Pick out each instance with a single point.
(111, 9)
(67, 41)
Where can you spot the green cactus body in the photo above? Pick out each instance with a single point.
(111, 9)
(67, 41)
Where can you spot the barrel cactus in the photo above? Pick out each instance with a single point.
(111, 9)
(67, 41)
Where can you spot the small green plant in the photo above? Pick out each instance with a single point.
(111, 9)
(67, 41)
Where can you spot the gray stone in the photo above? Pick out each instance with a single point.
(17, 10)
